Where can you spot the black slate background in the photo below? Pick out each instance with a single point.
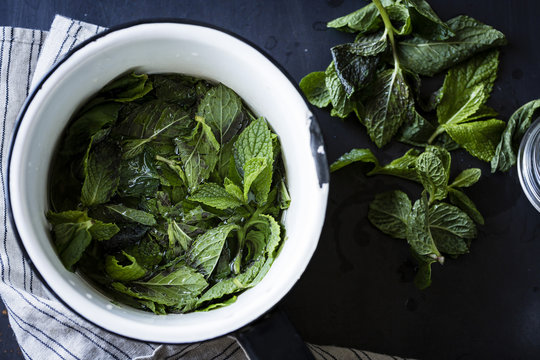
(357, 290)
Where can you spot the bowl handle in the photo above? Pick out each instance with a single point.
(271, 337)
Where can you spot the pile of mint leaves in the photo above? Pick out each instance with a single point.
(166, 192)
(378, 78)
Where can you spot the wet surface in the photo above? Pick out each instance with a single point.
(358, 290)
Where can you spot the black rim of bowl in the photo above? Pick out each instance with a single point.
(316, 134)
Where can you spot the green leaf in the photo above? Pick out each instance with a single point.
(216, 196)
(178, 239)
(283, 197)
(139, 176)
(101, 174)
(101, 231)
(389, 212)
(428, 57)
(221, 109)
(432, 168)
(425, 21)
(387, 106)
(257, 178)
(403, 167)
(205, 249)
(422, 279)
(355, 155)
(463, 202)
(147, 252)
(342, 106)
(133, 215)
(199, 154)
(233, 189)
(234, 284)
(254, 142)
(172, 288)
(177, 88)
(313, 86)
(133, 271)
(273, 235)
(479, 138)
(363, 20)
(467, 178)
(418, 232)
(400, 18)
(356, 63)
(87, 124)
(451, 229)
(127, 88)
(70, 216)
(467, 87)
(71, 240)
(505, 153)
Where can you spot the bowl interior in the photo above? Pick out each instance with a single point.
(162, 48)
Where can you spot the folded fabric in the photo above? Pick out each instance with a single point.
(44, 327)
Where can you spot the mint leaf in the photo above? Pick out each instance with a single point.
(400, 17)
(101, 174)
(101, 231)
(432, 169)
(133, 271)
(205, 249)
(422, 279)
(505, 153)
(233, 189)
(467, 178)
(479, 138)
(216, 196)
(463, 202)
(356, 63)
(403, 167)
(467, 87)
(283, 196)
(355, 155)
(127, 88)
(254, 142)
(133, 215)
(342, 106)
(387, 106)
(172, 288)
(257, 178)
(363, 20)
(199, 154)
(389, 212)
(425, 21)
(178, 239)
(313, 86)
(418, 232)
(222, 110)
(87, 124)
(451, 228)
(71, 240)
(428, 57)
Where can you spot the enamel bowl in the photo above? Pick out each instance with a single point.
(165, 47)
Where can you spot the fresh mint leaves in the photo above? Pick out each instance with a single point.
(166, 193)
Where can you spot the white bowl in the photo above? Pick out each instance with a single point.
(165, 47)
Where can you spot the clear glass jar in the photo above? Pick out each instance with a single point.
(528, 164)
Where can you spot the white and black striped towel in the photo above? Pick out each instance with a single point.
(45, 329)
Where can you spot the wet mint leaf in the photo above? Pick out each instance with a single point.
(425, 21)
(355, 155)
(127, 88)
(101, 174)
(71, 240)
(451, 228)
(115, 270)
(433, 171)
(467, 178)
(206, 248)
(221, 109)
(418, 232)
(133, 215)
(479, 138)
(216, 196)
(342, 106)
(363, 20)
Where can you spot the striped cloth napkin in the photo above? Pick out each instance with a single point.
(44, 327)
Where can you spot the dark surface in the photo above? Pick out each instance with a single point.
(260, 338)
(357, 290)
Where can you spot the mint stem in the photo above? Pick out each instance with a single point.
(437, 132)
(389, 29)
